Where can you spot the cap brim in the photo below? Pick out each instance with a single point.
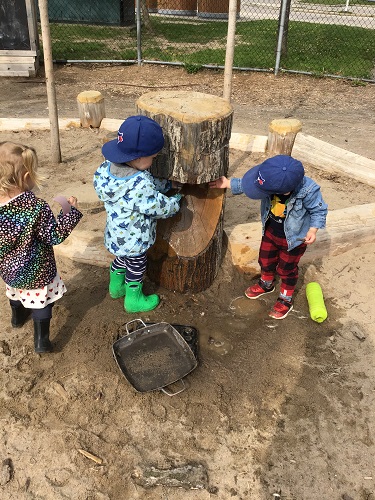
(250, 186)
(112, 153)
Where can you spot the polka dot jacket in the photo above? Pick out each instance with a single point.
(28, 231)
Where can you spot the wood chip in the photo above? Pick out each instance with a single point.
(92, 457)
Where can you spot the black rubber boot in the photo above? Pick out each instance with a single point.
(19, 315)
(41, 336)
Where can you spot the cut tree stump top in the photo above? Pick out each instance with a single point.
(186, 106)
(89, 96)
(284, 126)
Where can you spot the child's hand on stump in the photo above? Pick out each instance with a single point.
(177, 185)
(220, 183)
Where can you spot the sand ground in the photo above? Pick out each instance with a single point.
(274, 409)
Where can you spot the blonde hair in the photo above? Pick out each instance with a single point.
(16, 160)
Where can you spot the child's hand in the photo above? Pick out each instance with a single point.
(311, 235)
(73, 201)
(220, 183)
(66, 204)
(177, 185)
(177, 196)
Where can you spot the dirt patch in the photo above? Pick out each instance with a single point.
(273, 410)
(337, 111)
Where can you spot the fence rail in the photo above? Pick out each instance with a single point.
(320, 38)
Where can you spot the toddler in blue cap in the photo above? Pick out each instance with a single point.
(292, 210)
(133, 200)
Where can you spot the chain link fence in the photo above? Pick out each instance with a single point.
(318, 37)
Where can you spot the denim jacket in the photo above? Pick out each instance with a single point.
(306, 208)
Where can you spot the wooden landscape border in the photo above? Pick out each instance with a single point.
(340, 236)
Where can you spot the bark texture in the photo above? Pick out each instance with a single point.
(197, 127)
(197, 130)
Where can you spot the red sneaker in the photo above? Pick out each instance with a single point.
(281, 309)
(257, 290)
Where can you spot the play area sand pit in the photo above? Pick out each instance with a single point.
(274, 409)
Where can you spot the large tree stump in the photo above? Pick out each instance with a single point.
(281, 135)
(197, 130)
(91, 108)
(197, 127)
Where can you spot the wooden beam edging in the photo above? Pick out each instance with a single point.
(86, 247)
(347, 228)
(331, 158)
(9, 124)
(242, 142)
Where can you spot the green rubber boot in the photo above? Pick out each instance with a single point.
(135, 301)
(116, 283)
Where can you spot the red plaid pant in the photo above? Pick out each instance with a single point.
(275, 258)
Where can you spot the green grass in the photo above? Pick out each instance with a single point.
(338, 50)
(192, 32)
(316, 48)
(83, 42)
(82, 31)
(338, 2)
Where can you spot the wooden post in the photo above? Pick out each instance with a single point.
(91, 108)
(50, 82)
(229, 52)
(197, 127)
(281, 135)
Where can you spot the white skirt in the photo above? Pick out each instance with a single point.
(40, 297)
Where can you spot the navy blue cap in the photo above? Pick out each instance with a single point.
(137, 137)
(277, 175)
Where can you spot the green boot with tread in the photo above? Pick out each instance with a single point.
(117, 287)
(135, 301)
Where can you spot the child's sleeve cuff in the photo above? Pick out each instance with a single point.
(236, 185)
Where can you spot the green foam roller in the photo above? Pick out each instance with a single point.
(315, 299)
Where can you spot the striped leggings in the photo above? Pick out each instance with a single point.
(135, 267)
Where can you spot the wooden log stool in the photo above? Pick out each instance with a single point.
(281, 135)
(197, 127)
(90, 108)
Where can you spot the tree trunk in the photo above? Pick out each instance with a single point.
(281, 135)
(145, 14)
(197, 130)
(188, 249)
(197, 127)
(91, 108)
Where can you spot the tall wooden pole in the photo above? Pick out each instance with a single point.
(229, 53)
(50, 81)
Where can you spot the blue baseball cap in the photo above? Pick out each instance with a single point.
(138, 136)
(277, 175)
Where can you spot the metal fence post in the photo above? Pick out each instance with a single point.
(139, 32)
(280, 36)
